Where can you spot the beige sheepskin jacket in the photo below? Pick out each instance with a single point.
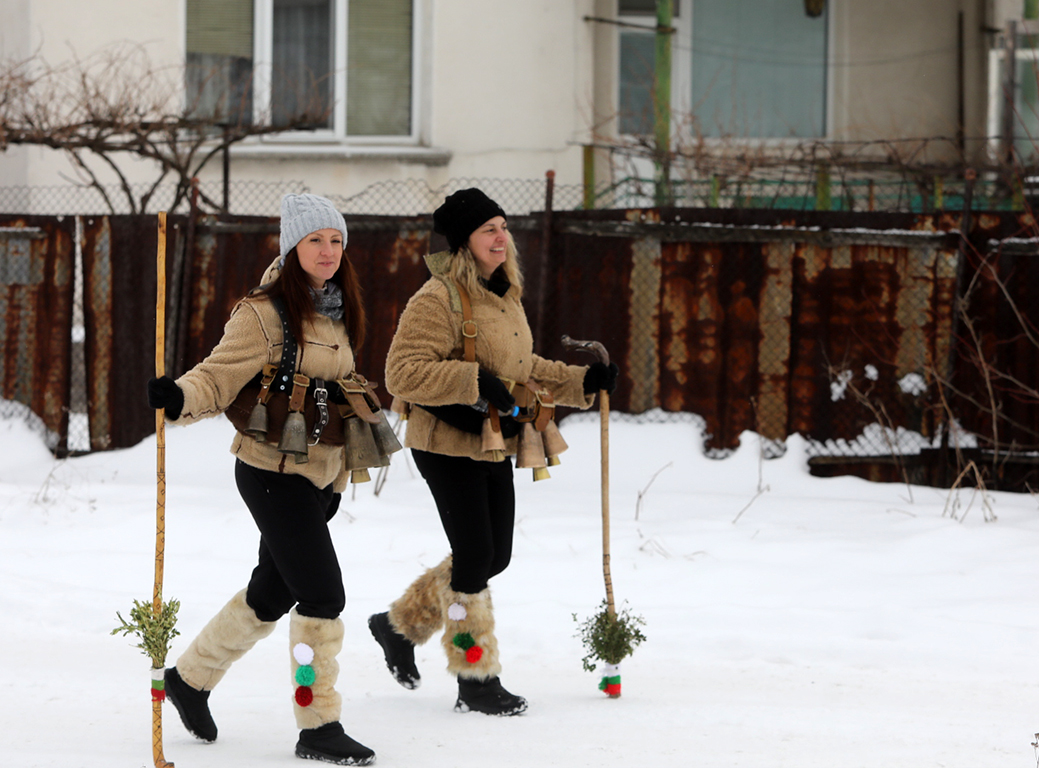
(426, 366)
(253, 337)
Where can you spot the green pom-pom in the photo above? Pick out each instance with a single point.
(305, 675)
(464, 641)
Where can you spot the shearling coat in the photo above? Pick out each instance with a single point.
(253, 337)
(426, 366)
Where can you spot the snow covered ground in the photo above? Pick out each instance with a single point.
(820, 622)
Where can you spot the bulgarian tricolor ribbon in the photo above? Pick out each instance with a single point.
(611, 680)
(159, 684)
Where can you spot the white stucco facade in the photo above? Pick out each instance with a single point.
(513, 89)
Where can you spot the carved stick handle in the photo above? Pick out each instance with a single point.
(591, 347)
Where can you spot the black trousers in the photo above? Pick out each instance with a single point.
(297, 563)
(477, 505)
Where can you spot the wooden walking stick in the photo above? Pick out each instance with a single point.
(600, 353)
(153, 623)
(160, 475)
(607, 636)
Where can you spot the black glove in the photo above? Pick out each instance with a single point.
(494, 391)
(509, 427)
(601, 376)
(164, 393)
(463, 417)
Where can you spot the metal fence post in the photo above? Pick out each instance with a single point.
(546, 245)
(588, 176)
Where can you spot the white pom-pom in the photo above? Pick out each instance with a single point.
(456, 612)
(303, 653)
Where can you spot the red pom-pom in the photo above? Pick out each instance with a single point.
(613, 690)
(158, 695)
(304, 696)
(474, 654)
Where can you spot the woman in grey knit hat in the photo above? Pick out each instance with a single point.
(310, 301)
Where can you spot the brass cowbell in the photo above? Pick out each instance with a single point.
(385, 438)
(257, 425)
(294, 437)
(361, 449)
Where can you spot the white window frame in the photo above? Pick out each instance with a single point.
(682, 76)
(681, 57)
(263, 55)
(994, 117)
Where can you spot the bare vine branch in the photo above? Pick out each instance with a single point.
(117, 103)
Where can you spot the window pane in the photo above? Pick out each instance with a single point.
(219, 44)
(1026, 127)
(378, 85)
(759, 69)
(301, 69)
(637, 54)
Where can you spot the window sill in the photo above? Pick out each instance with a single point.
(343, 152)
(740, 142)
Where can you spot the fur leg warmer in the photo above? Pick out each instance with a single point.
(469, 641)
(224, 640)
(315, 643)
(419, 612)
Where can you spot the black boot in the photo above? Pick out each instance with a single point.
(192, 705)
(489, 697)
(331, 744)
(399, 651)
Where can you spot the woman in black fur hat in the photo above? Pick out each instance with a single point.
(463, 358)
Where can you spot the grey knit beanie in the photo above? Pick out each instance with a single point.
(303, 214)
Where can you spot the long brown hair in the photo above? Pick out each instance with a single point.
(294, 286)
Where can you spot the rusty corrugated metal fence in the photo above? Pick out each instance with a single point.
(36, 292)
(838, 326)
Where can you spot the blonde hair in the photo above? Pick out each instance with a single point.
(463, 269)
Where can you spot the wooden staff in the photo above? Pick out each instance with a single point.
(160, 467)
(599, 351)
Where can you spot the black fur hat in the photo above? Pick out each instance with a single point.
(462, 214)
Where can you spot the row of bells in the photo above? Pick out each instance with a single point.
(370, 444)
(536, 450)
(367, 444)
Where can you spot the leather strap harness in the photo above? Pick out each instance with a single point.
(535, 402)
(284, 390)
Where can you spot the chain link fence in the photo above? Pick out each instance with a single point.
(821, 191)
(518, 197)
(803, 191)
(245, 197)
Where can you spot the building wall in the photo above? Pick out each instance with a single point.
(14, 44)
(894, 69)
(59, 32)
(510, 96)
(513, 89)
